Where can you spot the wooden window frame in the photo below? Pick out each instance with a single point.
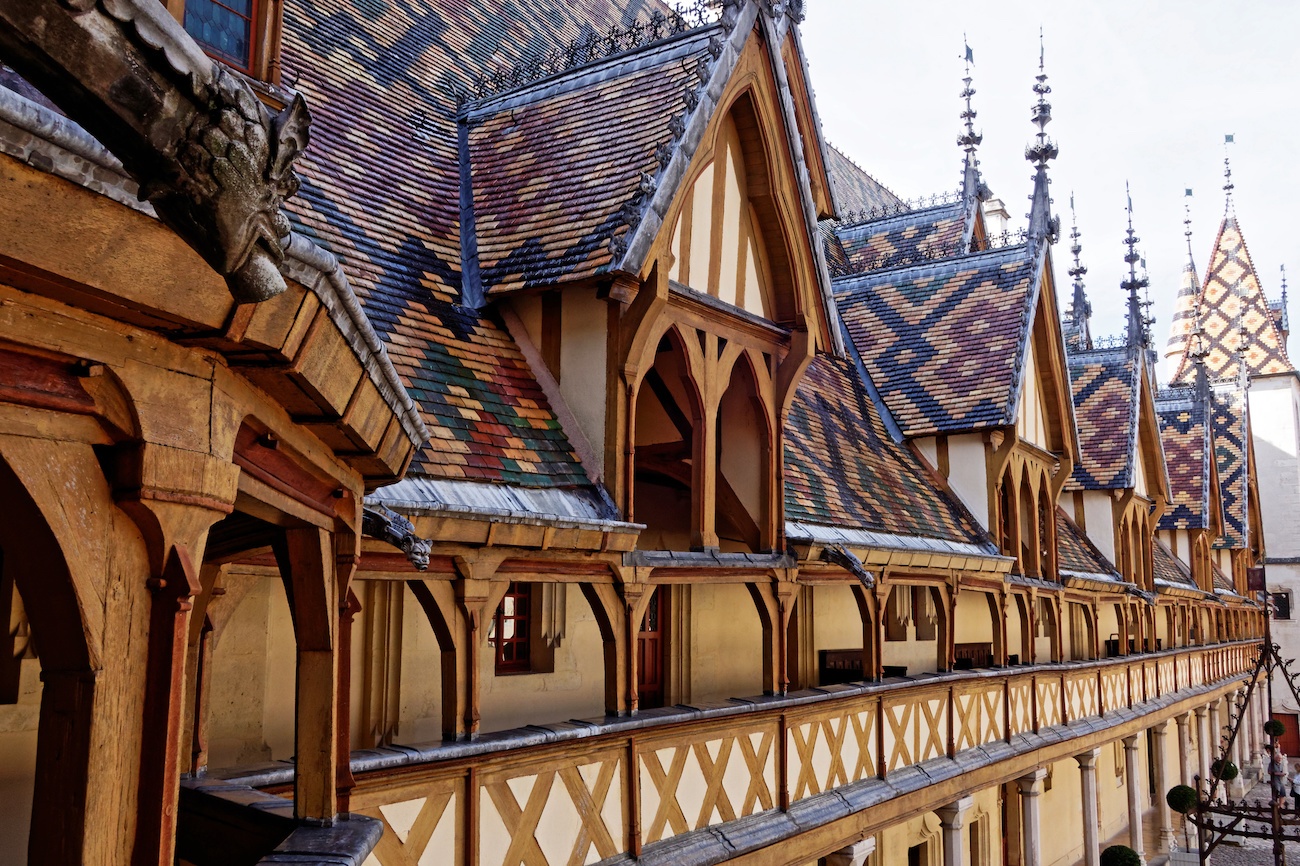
(264, 42)
(523, 622)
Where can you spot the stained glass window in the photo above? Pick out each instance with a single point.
(224, 28)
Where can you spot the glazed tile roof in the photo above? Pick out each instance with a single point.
(1231, 299)
(1188, 444)
(853, 188)
(1077, 555)
(1170, 568)
(932, 232)
(381, 191)
(1107, 394)
(552, 165)
(843, 469)
(1221, 580)
(1182, 322)
(1229, 419)
(944, 341)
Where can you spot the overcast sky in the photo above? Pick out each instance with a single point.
(1140, 91)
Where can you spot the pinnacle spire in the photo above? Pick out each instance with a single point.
(969, 140)
(1187, 230)
(1042, 225)
(1139, 336)
(1198, 349)
(1078, 332)
(1228, 185)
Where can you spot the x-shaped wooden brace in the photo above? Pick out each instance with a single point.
(589, 804)
(864, 729)
(669, 812)
(933, 744)
(1049, 703)
(1019, 699)
(756, 760)
(898, 725)
(714, 771)
(992, 703)
(522, 824)
(392, 851)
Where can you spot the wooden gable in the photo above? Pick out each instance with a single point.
(1150, 477)
(1045, 414)
(736, 229)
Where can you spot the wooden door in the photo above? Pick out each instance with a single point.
(651, 645)
(1290, 740)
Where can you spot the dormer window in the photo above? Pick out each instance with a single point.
(239, 33)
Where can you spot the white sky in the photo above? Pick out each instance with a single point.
(1140, 91)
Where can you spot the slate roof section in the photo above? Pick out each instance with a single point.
(945, 341)
(552, 165)
(1077, 555)
(932, 232)
(1170, 568)
(853, 189)
(1187, 438)
(381, 192)
(1231, 299)
(1107, 392)
(1228, 417)
(843, 469)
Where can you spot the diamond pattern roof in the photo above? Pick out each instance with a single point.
(854, 189)
(932, 232)
(1232, 300)
(842, 468)
(1170, 568)
(1229, 419)
(1187, 441)
(945, 341)
(1106, 392)
(1076, 553)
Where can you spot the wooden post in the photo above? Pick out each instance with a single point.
(307, 562)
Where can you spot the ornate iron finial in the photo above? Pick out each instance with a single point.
(969, 140)
(1042, 225)
(1286, 315)
(1080, 310)
(1187, 224)
(1198, 349)
(1139, 334)
(1227, 172)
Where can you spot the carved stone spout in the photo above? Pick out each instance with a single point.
(215, 164)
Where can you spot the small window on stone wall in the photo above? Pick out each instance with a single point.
(243, 34)
(1281, 605)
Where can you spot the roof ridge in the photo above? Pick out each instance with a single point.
(854, 163)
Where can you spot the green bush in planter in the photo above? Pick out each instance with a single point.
(1120, 855)
(1274, 728)
(1182, 799)
(1226, 770)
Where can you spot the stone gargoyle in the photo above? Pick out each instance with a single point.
(387, 525)
(211, 159)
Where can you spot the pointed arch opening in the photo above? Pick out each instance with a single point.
(744, 471)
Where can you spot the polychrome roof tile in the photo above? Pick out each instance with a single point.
(1229, 419)
(932, 232)
(1170, 568)
(1076, 553)
(842, 468)
(553, 165)
(1106, 392)
(381, 191)
(1232, 300)
(854, 189)
(944, 341)
(1187, 439)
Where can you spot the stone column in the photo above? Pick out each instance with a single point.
(1184, 722)
(1134, 786)
(1167, 840)
(1031, 788)
(1202, 746)
(1088, 793)
(853, 855)
(952, 818)
(1240, 751)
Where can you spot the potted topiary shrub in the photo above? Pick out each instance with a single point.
(1120, 855)
(1183, 799)
(1225, 770)
(1274, 728)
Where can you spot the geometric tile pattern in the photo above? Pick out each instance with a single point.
(1182, 322)
(1076, 552)
(944, 340)
(1188, 443)
(1106, 391)
(552, 165)
(381, 191)
(1228, 417)
(842, 468)
(1232, 300)
(929, 231)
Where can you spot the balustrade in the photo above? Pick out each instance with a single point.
(582, 792)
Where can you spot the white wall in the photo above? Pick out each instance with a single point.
(968, 475)
(1100, 519)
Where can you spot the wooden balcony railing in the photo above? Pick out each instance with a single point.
(583, 792)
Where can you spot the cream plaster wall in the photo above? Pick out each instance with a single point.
(973, 618)
(1061, 816)
(18, 724)
(583, 320)
(726, 643)
(836, 623)
(420, 712)
(574, 690)
(1100, 519)
(968, 475)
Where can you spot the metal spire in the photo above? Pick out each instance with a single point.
(1042, 225)
(969, 140)
(1286, 315)
(1227, 175)
(1198, 350)
(1080, 309)
(1139, 335)
(1187, 229)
